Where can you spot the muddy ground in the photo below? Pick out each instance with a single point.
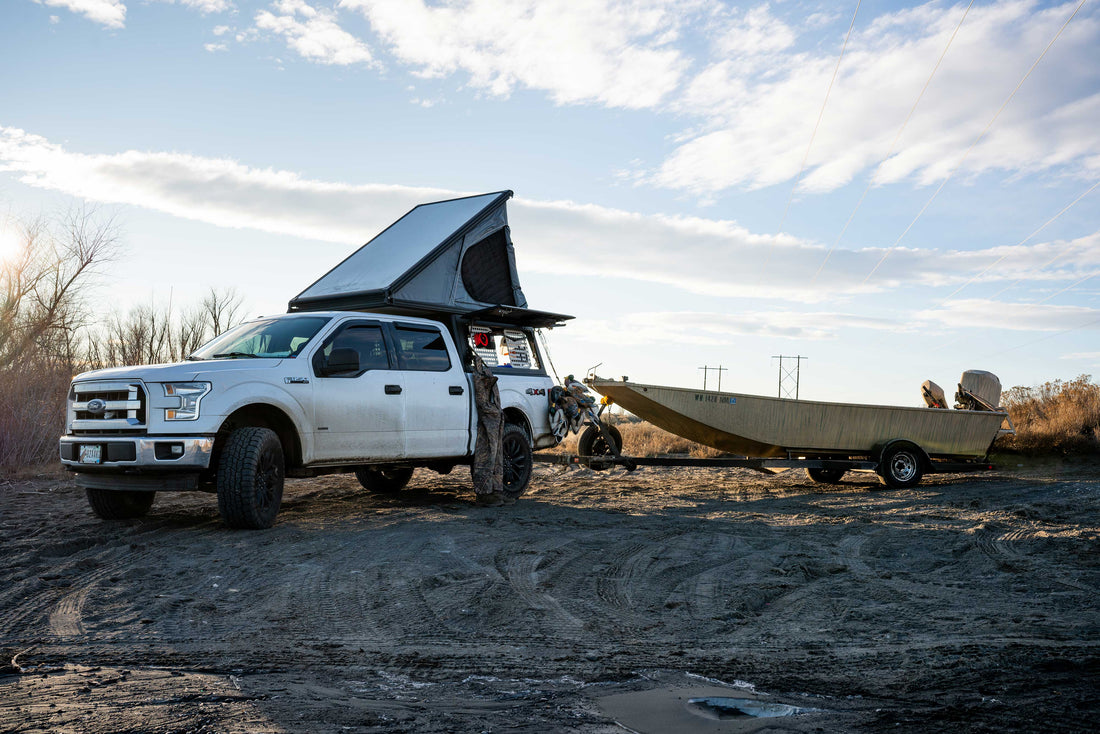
(600, 601)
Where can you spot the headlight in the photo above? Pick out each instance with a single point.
(189, 394)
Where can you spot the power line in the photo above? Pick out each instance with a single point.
(1044, 338)
(787, 374)
(1057, 255)
(1020, 243)
(890, 152)
(719, 369)
(972, 145)
(806, 156)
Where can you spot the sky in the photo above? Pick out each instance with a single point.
(897, 191)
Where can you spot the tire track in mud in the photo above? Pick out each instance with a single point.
(94, 560)
(528, 576)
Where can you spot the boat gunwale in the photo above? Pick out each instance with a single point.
(944, 411)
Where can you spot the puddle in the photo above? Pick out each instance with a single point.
(722, 708)
(695, 709)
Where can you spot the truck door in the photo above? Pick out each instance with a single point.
(437, 396)
(359, 398)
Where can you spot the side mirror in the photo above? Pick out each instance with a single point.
(341, 361)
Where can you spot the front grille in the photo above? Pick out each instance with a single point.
(108, 407)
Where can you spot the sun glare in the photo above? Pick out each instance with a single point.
(9, 242)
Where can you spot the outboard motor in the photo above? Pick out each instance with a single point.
(978, 390)
(933, 395)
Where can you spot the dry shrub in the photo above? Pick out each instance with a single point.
(32, 413)
(645, 439)
(1058, 417)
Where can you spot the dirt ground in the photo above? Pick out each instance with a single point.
(603, 601)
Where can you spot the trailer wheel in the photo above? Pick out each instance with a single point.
(119, 504)
(384, 481)
(592, 443)
(826, 476)
(250, 478)
(518, 458)
(901, 467)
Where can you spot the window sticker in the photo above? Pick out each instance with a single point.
(481, 340)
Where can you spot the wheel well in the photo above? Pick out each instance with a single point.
(517, 416)
(262, 416)
(901, 443)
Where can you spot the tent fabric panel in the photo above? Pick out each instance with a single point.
(486, 272)
(435, 283)
(399, 248)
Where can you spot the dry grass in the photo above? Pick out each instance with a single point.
(32, 415)
(645, 439)
(1058, 417)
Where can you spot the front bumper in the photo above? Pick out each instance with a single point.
(128, 453)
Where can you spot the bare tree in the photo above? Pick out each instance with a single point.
(222, 309)
(42, 289)
(148, 334)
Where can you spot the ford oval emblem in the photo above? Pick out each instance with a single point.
(97, 407)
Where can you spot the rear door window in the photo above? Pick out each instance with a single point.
(422, 349)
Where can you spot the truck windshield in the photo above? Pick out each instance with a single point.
(276, 338)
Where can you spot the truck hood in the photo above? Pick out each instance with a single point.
(179, 372)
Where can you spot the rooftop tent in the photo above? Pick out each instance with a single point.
(451, 256)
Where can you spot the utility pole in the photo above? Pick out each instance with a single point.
(787, 374)
(719, 369)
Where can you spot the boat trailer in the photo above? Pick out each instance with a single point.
(767, 466)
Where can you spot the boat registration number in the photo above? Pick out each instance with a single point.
(716, 399)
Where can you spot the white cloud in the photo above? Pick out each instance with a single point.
(715, 329)
(756, 125)
(987, 314)
(208, 6)
(215, 47)
(705, 256)
(221, 30)
(54, 20)
(1087, 356)
(111, 13)
(617, 53)
(314, 34)
(203, 6)
(754, 34)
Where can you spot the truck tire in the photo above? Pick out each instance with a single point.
(119, 504)
(250, 478)
(826, 476)
(383, 481)
(592, 443)
(901, 467)
(519, 461)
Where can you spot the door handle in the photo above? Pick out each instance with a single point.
(393, 389)
(455, 389)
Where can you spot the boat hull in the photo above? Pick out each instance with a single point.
(759, 426)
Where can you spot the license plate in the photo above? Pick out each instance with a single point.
(91, 454)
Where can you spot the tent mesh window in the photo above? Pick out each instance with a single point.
(486, 272)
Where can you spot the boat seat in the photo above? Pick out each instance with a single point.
(933, 395)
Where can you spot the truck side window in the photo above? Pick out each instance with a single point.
(366, 340)
(421, 349)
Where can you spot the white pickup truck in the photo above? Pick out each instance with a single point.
(301, 394)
